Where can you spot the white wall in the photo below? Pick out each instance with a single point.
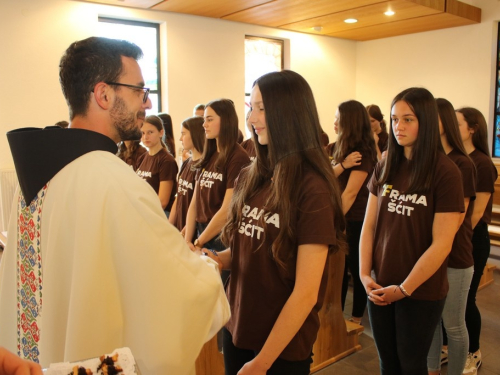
(456, 64)
(203, 60)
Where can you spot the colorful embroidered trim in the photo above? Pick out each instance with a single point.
(29, 276)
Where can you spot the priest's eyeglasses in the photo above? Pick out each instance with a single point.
(145, 89)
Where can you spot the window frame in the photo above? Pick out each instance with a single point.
(153, 25)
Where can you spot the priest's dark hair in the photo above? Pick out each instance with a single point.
(88, 62)
(294, 145)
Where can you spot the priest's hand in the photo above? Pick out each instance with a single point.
(11, 364)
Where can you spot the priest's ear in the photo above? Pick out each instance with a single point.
(103, 95)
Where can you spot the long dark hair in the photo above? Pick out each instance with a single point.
(158, 124)
(168, 137)
(450, 125)
(476, 121)
(228, 133)
(124, 153)
(195, 127)
(355, 132)
(375, 112)
(294, 142)
(427, 145)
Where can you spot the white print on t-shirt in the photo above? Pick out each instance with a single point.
(184, 186)
(207, 176)
(249, 229)
(143, 174)
(399, 207)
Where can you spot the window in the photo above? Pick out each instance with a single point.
(262, 55)
(496, 117)
(147, 36)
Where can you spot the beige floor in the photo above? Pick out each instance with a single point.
(365, 361)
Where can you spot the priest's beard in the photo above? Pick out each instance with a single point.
(125, 121)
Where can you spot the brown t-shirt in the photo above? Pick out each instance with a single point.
(461, 251)
(159, 167)
(486, 176)
(214, 182)
(358, 208)
(249, 147)
(404, 222)
(185, 191)
(258, 287)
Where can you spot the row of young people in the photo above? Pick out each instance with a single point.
(259, 230)
(463, 136)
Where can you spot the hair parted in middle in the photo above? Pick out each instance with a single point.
(294, 143)
(425, 150)
(228, 133)
(158, 124)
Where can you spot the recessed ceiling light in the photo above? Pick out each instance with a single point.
(389, 13)
(317, 28)
(350, 20)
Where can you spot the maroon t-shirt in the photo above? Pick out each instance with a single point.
(159, 167)
(185, 190)
(461, 251)
(404, 222)
(486, 176)
(258, 287)
(214, 182)
(249, 147)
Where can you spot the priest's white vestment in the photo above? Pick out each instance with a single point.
(107, 270)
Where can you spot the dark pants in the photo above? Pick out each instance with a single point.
(353, 231)
(235, 358)
(403, 334)
(481, 253)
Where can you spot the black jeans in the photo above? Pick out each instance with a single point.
(481, 253)
(359, 298)
(403, 334)
(235, 358)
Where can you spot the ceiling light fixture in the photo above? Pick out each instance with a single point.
(350, 20)
(317, 28)
(389, 13)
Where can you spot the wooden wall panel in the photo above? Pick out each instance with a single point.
(209, 8)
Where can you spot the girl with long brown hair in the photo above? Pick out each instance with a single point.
(285, 218)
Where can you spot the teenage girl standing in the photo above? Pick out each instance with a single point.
(460, 261)
(221, 162)
(285, 215)
(413, 213)
(158, 167)
(354, 134)
(474, 131)
(192, 139)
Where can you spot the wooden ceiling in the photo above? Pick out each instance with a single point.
(326, 17)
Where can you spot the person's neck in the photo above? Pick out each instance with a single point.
(217, 143)
(195, 155)
(127, 144)
(155, 149)
(407, 152)
(469, 146)
(96, 121)
(446, 145)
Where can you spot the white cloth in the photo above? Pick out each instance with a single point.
(115, 273)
